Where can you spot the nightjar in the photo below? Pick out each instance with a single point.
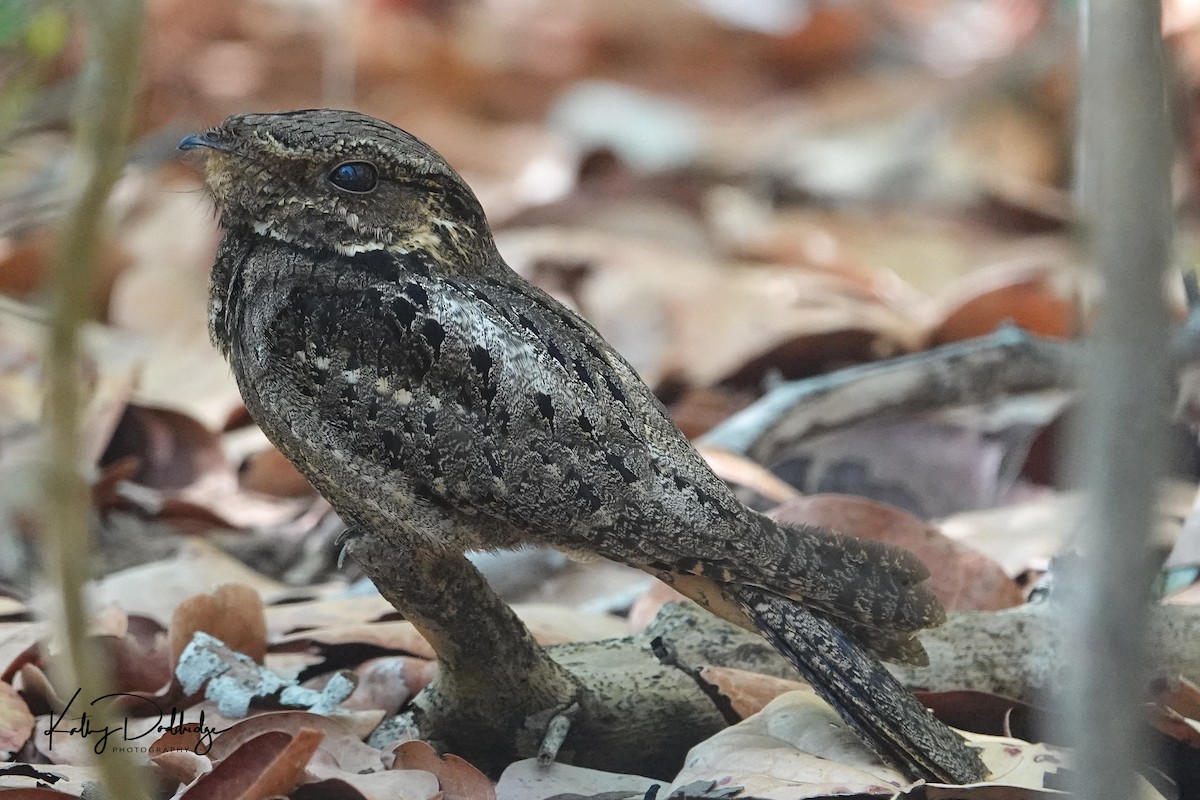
(432, 394)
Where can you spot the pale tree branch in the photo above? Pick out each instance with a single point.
(103, 119)
(1124, 191)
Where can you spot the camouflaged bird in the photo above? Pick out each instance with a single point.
(429, 392)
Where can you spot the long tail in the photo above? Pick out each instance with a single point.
(883, 713)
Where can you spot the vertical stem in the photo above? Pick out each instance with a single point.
(1124, 191)
(103, 121)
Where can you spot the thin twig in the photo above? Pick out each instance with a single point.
(103, 121)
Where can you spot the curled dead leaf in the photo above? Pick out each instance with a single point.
(233, 613)
(458, 779)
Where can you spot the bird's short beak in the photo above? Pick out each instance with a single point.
(198, 140)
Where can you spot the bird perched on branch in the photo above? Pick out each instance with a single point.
(431, 393)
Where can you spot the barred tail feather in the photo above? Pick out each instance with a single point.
(883, 713)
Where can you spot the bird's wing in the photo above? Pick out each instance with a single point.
(490, 403)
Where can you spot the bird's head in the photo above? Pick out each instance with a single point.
(341, 181)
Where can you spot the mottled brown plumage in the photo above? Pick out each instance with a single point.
(431, 393)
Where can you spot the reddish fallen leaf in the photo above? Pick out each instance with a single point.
(171, 448)
(962, 578)
(36, 688)
(1177, 726)
(1183, 697)
(267, 766)
(195, 738)
(106, 494)
(387, 683)
(831, 36)
(1035, 297)
(233, 613)
(983, 712)
(646, 607)
(458, 779)
(141, 660)
(747, 692)
(269, 472)
(25, 262)
(182, 766)
(342, 747)
(705, 407)
(1177, 712)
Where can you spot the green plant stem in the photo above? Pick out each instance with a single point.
(104, 115)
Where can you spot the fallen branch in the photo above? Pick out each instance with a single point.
(1007, 362)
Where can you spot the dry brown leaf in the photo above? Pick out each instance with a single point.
(140, 659)
(704, 407)
(179, 763)
(744, 473)
(388, 682)
(190, 738)
(109, 370)
(796, 747)
(154, 590)
(24, 263)
(400, 637)
(269, 472)
(1183, 697)
(458, 779)
(962, 578)
(646, 607)
(525, 779)
(360, 723)
(293, 618)
(233, 613)
(1030, 294)
(982, 712)
(35, 686)
(335, 784)
(831, 37)
(681, 316)
(747, 692)
(172, 450)
(266, 766)
(338, 745)
(1019, 536)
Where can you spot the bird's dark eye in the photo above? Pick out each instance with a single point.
(359, 177)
